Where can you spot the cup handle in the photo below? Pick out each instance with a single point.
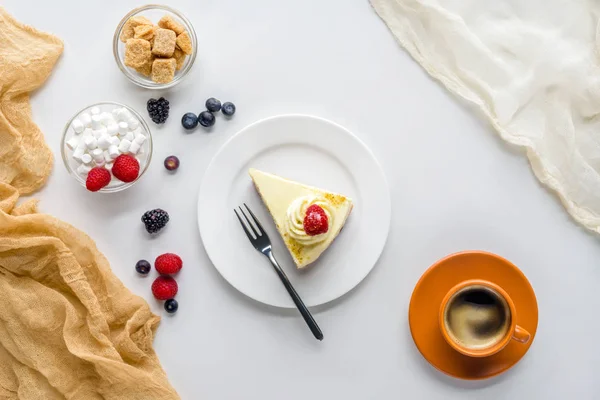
(521, 335)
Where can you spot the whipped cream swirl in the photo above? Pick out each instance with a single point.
(294, 223)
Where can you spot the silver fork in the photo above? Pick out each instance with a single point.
(260, 241)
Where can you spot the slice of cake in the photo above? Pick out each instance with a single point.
(308, 219)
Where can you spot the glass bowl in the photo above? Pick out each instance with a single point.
(144, 156)
(154, 12)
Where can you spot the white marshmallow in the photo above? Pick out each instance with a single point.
(123, 127)
(134, 148)
(97, 155)
(133, 123)
(106, 118)
(115, 112)
(100, 163)
(129, 136)
(77, 154)
(77, 126)
(90, 142)
(104, 142)
(114, 140)
(83, 169)
(86, 158)
(124, 146)
(86, 119)
(81, 145)
(108, 166)
(87, 132)
(112, 128)
(107, 157)
(96, 122)
(95, 110)
(123, 114)
(73, 142)
(141, 151)
(113, 151)
(99, 132)
(140, 138)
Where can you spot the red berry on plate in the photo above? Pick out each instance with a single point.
(315, 221)
(168, 263)
(97, 178)
(164, 288)
(126, 168)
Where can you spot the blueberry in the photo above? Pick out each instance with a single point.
(228, 109)
(206, 119)
(189, 120)
(213, 105)
(171, 163)
(171, 306)
(143, 267)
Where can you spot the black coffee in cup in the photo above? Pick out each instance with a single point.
(477, 317)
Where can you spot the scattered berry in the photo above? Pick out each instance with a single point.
(155, 220)
(97, 178)
(171, 163)
(126, 168)
(158, 110)
(168, 263)
(171, 306)
(189, 120)
(228, 108)
(206, 119)
(213, 105)
(315, 221)
(164, 288)
(143, 267)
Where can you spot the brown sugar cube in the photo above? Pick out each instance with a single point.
(179, 57)
(184, 43)
(164, 43)
(163, 70)
(168, 22)
(145, 32)
(137, 52)
(146, 69)
(128, 29)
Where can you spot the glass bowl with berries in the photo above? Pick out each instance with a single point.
(106, 147)
(155, 46)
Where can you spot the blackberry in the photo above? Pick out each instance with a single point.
(171, 306)
(213, 105)
(158, 110)
(155, 220)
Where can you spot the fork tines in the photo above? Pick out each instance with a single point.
(255, 231)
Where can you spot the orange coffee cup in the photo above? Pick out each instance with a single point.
(478, 318)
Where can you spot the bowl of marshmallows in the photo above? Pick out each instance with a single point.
(106, 147)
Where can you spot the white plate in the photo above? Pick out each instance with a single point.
(312, 151)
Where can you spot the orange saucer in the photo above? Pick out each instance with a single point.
(425, 304)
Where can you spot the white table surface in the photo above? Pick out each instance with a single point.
(455, 185)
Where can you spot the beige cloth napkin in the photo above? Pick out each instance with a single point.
(69, 329)
(532, 67)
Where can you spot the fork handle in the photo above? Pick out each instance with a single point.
(308, 318)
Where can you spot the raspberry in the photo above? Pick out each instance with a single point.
(164, 288)
(315, 221)
(97, 178)
(168, 263)
(126, 168)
